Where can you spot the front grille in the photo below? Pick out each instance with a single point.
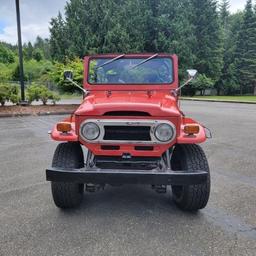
(122, 131)
(126, 133)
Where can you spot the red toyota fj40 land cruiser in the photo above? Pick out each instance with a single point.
(134, 132)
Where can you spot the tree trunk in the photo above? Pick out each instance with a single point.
(254, 92)
(241, 90)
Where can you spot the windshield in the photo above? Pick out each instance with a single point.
(130, 71)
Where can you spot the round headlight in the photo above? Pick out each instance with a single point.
(90, 131)
(164, 132)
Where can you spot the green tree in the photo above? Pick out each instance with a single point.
(76, 66)
(176, 32)
(58, 38)
(224, 13)
(6, 55)
(208, 48)
(246, 50)
(202, 83)
(228, 83)
(201, 36)
(38, 54)
(44, 46)
(28, 51)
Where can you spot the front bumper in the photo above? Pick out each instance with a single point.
(120, 176)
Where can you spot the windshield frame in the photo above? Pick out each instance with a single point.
(128, 86)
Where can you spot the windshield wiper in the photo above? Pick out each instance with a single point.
(110, 61)
(144, 61)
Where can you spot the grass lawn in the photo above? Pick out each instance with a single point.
(234, 98)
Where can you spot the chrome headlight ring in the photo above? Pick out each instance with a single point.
(89, 131)
(164, 132)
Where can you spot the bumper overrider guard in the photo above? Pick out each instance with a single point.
(124, 176)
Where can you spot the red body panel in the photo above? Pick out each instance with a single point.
(156, 100)
(159, 103)
(191, 139)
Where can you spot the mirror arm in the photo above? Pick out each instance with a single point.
(187, 82)
(78, 86)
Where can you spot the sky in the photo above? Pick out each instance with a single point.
(36, 14)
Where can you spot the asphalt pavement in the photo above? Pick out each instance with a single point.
(130, 220)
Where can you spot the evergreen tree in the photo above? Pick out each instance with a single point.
(246, 50)
(193, 29)
(224, 13)
(44, 46)
(228, 83)
(228, 50)
(29, 51)
(132, 16)
(253, 54)
(208, 48)
(38, 54)
(58, 38)
(176, 32)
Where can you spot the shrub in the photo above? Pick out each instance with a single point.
(14, 98)
(54, 98)
(201, 83)
(7, 71)
(33, 93)
(9, 92)
(4, 94)
(39, 92)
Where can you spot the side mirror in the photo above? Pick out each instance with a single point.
(192, 73)
(68, 74)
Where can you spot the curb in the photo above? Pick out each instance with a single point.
(37, 114)
(224, 101)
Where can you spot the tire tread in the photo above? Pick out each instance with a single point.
(192, 157)
(67, 195)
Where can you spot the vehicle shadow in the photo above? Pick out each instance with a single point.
(135, 200)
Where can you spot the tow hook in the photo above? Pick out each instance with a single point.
(161, 189)
(93, 187)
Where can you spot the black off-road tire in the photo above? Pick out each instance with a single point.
(190, 157)
(67, 195)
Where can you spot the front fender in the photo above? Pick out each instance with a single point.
(69, 136)
(184, 138)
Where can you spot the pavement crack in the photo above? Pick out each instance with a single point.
(247, 230)
(230, 223)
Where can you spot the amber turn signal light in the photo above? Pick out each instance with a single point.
(191, 129)
(64, 127)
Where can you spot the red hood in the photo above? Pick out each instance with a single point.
(159, 103)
